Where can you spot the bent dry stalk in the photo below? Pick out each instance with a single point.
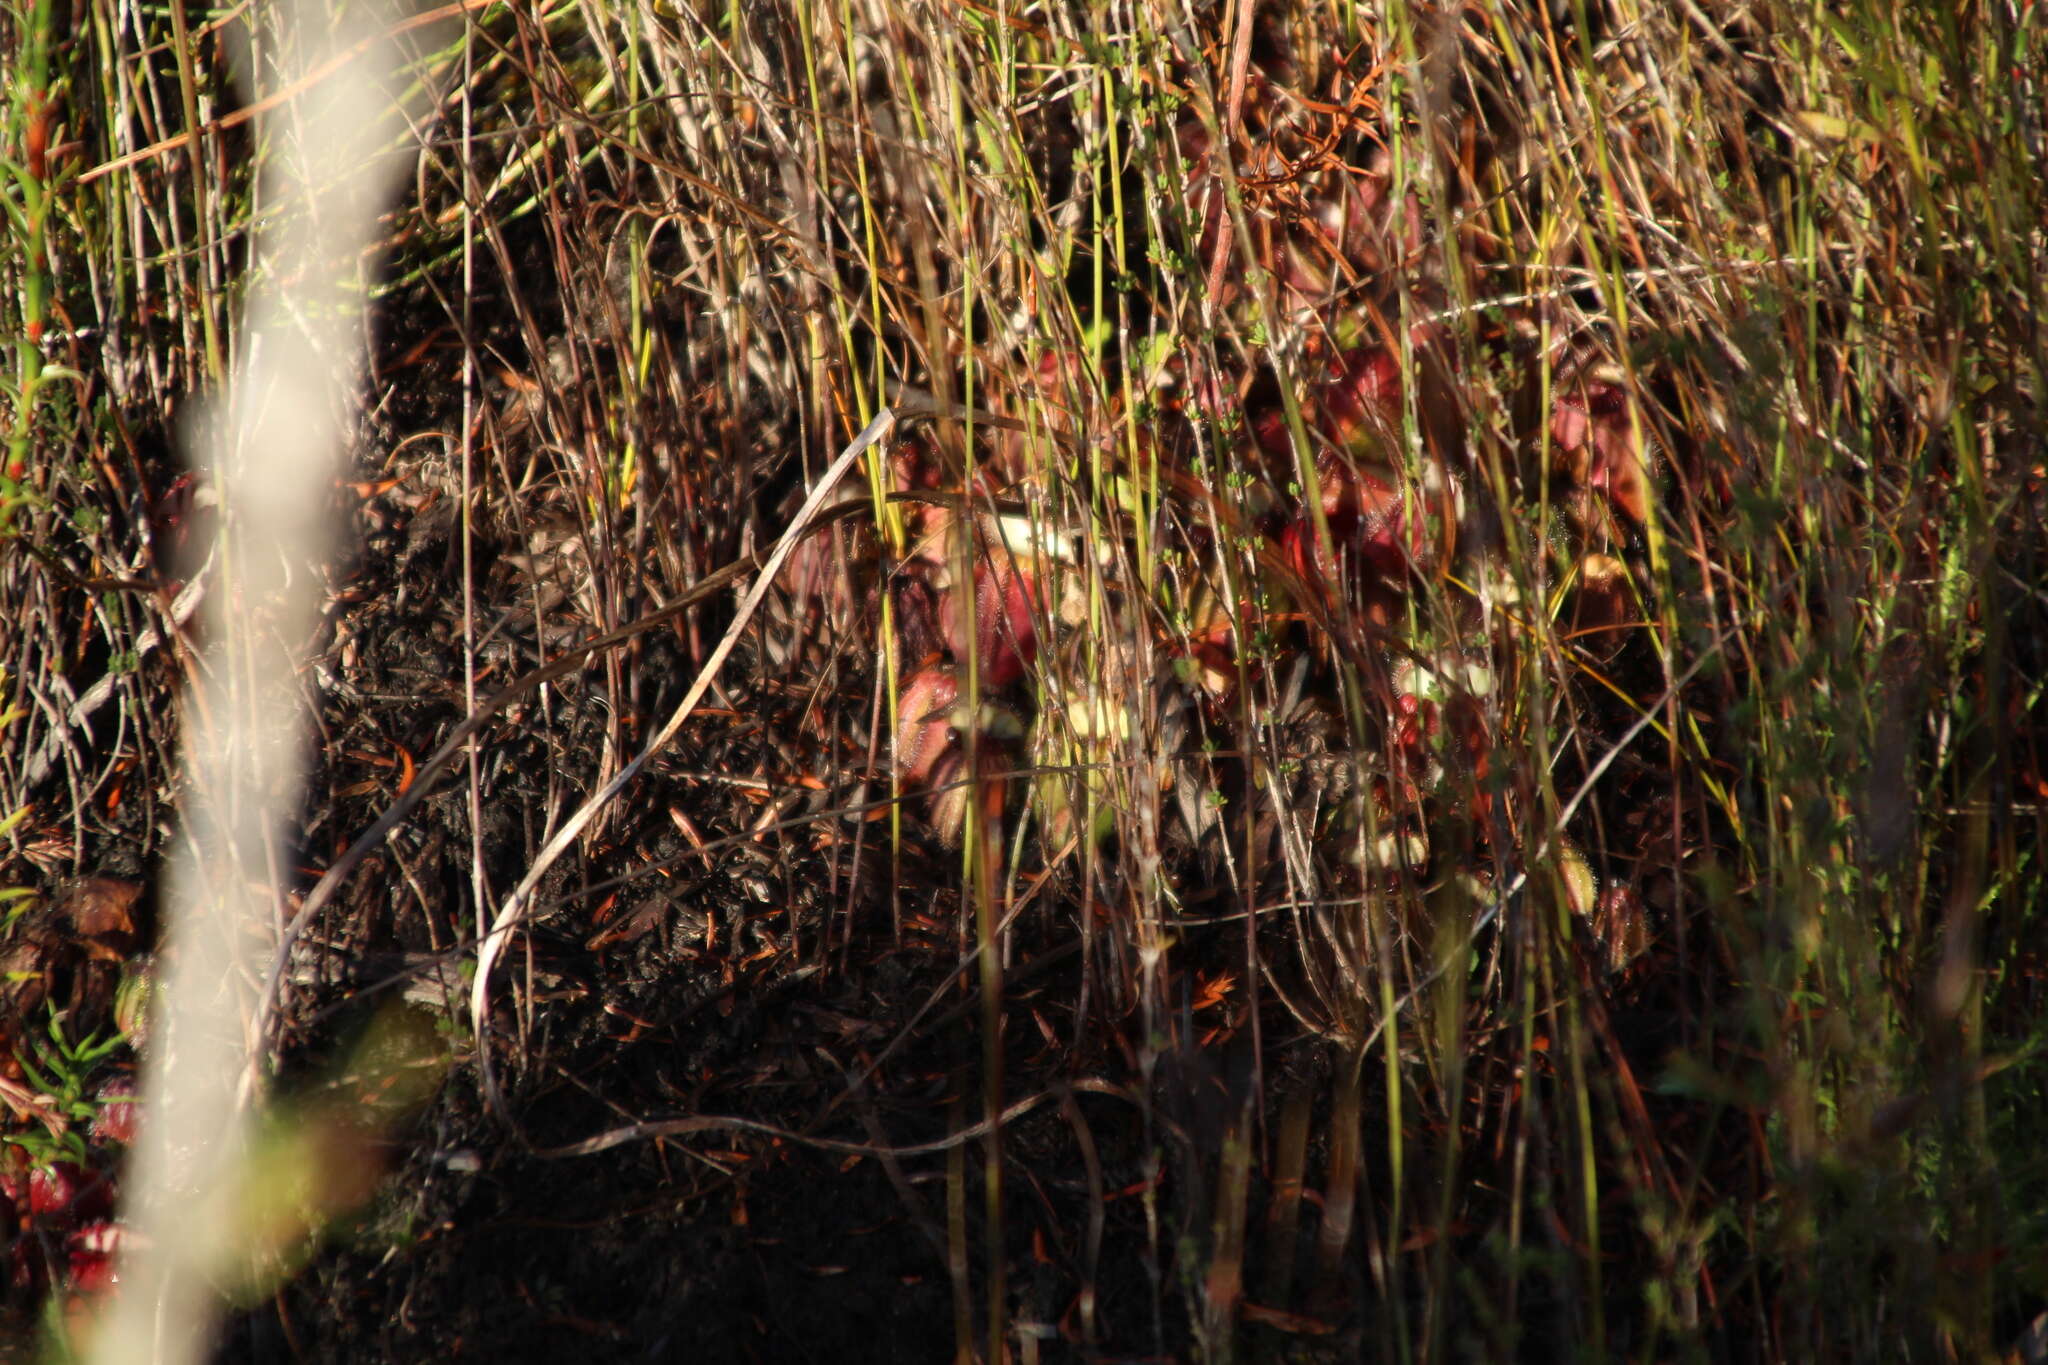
(492, 946)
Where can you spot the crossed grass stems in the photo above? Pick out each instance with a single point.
(1839, 535)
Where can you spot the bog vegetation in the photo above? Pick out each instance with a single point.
(1423, 741)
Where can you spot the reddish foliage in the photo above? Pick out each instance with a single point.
(1377, 538)
(1005, 633)
(1362, 400)
(53, 1188)
(1006, 637)
(115, 1121)
(90, 1254)
(1595, 428)
(1416, 724)
(925, 720)
(1466, 718)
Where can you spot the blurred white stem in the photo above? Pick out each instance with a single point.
(271, 450)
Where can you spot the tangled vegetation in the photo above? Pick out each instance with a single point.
(1422, 740)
